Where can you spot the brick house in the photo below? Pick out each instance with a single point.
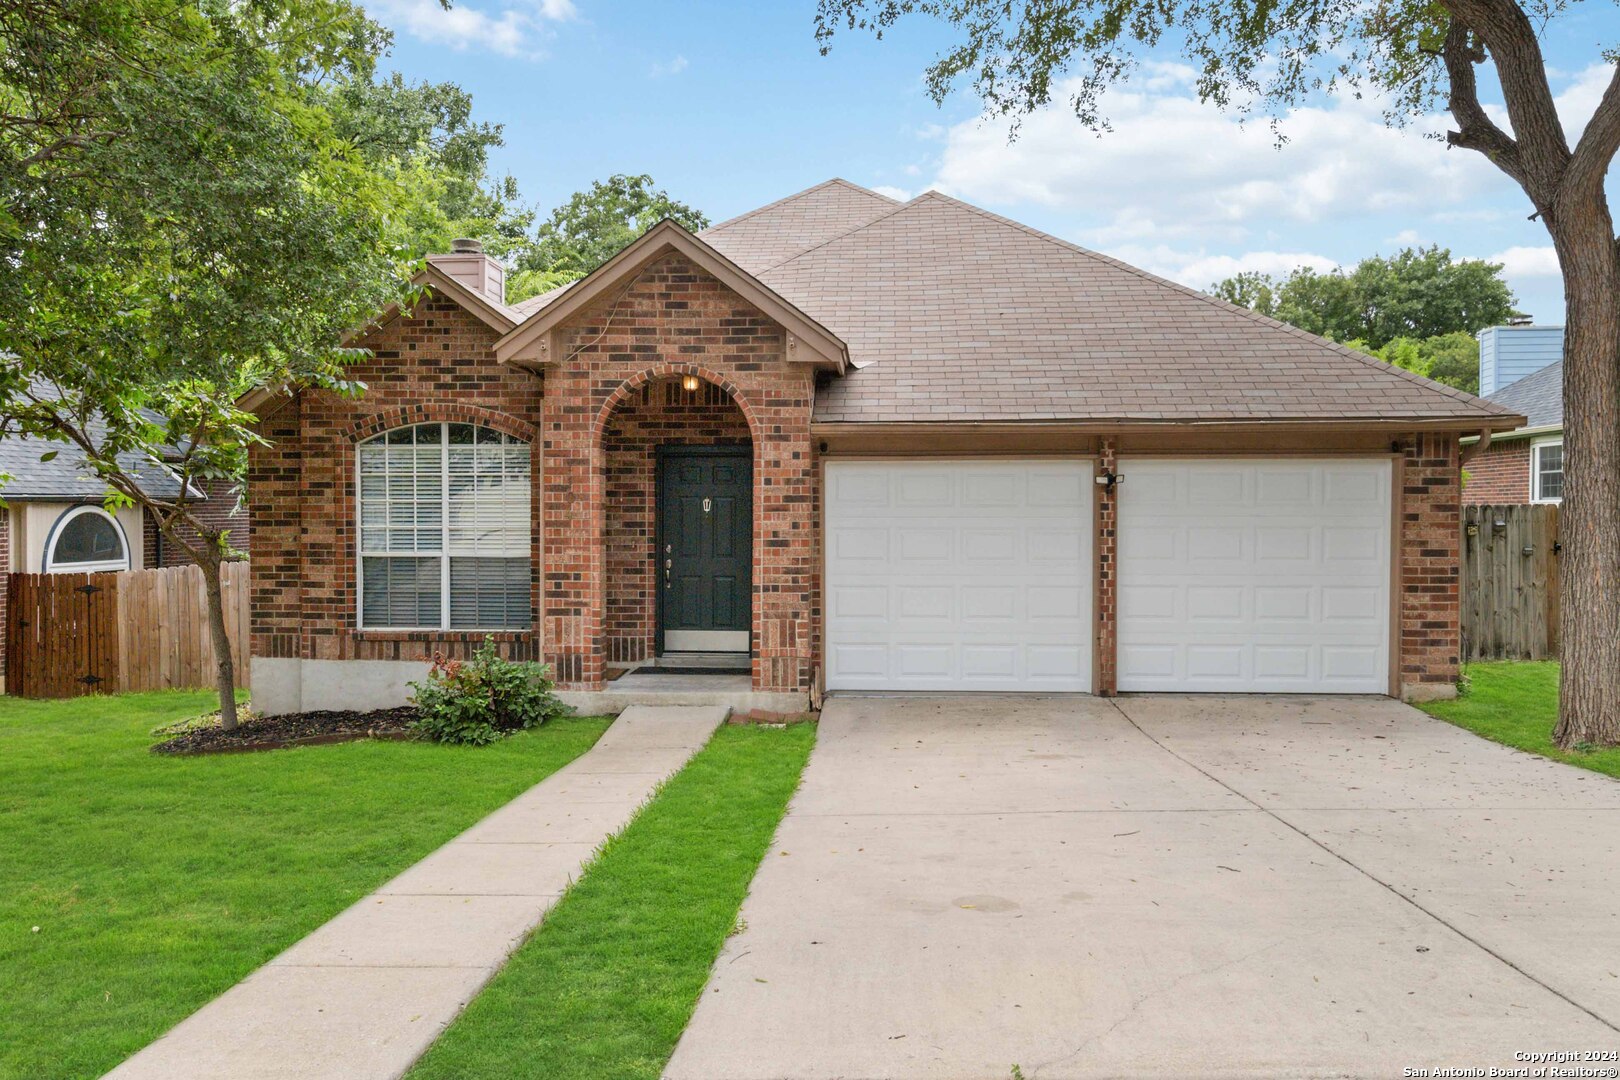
(1525, 465)
(846, 443)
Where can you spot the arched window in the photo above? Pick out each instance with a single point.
(444, 529)
(85, 540)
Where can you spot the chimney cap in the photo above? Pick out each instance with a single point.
(466, 246)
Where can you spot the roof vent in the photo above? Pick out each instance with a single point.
(466, 246)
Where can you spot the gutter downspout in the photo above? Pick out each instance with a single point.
(1470, 452)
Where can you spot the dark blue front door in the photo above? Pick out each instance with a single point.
(705, 545)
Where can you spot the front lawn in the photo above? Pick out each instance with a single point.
(607, 983)
(1516, 703)
(157, 882)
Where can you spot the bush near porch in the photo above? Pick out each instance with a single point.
(157, 882)
(1516, 703)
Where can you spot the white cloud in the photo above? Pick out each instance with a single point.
(513, 31)
(898, 194)
(1201, 269)
(1175, 167)
(673, 67)
(1405, 238)
(1522, 262)
(1580, 99)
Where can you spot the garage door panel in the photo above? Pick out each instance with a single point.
(1283, 588)
(982, 581)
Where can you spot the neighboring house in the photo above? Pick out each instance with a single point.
(53, 519)
(1525, 465)
(856, 444)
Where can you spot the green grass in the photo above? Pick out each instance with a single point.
(1516, 703)
(157, 882)
(607, 983)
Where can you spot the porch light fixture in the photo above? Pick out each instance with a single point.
(689, 383)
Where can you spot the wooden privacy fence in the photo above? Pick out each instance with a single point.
(1510, 582)
(71, 634)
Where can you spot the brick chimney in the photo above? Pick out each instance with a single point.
(469, 266)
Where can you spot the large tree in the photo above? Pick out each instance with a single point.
(181, 218)
(591, 227)
(1415, 293)
(424, 135)
(1273, 56)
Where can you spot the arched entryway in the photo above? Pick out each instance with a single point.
(678, 522)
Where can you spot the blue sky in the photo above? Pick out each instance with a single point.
(729, 106)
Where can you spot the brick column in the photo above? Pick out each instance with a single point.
(1107, 562)
(1429, 550)
(572, 590)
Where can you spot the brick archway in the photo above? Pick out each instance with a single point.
(673, 320)
(623, 393)
(437, 412)
(646, 419)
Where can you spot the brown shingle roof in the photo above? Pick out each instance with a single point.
(952, 313)
(780, 230)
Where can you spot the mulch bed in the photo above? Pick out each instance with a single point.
(293, 729)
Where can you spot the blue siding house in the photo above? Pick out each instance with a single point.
(1509, 353)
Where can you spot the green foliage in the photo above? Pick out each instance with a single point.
(1516, 703)
(591, 227)
(1418, 293)
(1452, 359)
(606, 985)
(424, 137)
(159, 882)
(479, 701)
(1016, 54)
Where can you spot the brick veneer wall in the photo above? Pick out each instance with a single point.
(218, 510)
(1429, 551)
(660, 413)
(436, 365)
(672, 319)
(1499, 474)
(1107, 564)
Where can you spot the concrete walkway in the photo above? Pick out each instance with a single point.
(1169, 886)
(363, 996)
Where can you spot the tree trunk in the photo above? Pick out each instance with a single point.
(225, 667)
(1589, 521)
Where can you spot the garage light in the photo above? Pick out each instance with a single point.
(689, 383)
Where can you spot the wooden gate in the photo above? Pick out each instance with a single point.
(62, 635)
(71, 634)
(1510, 582)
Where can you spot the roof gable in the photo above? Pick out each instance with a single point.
(808, 340)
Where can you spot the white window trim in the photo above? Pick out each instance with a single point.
(1535, 466)
(105, 566)
(444, 554)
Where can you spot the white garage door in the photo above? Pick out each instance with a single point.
(1254, 576)
(959, 575)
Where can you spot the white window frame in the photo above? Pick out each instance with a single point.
(444, 554)
(102, 567)
(1535, 467)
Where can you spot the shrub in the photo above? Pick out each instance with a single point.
(478, 701)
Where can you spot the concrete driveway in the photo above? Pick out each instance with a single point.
(1188, 886)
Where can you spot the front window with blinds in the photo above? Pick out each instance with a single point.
(444, 529)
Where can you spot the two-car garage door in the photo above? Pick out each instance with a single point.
(1241, 575)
